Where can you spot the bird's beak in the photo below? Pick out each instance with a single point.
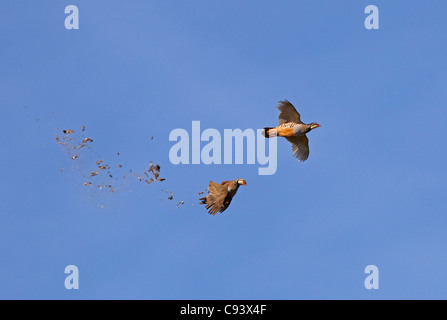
(319, 126)
(245, 183)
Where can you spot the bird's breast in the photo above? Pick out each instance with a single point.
(300, 129)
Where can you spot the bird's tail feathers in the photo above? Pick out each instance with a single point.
(270, 132)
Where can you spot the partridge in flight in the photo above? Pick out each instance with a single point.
(220, 195)
(291, 127)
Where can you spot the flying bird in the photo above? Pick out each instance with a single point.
(293, 129)
(220, 195)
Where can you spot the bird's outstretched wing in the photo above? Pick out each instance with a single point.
(288, 113)
(300, 147)
(215, 200)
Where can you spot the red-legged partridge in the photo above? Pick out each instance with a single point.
(291, 127)
(220, 195)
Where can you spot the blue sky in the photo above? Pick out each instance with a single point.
(372, 191)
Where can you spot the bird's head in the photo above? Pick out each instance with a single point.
(241, 182)
(314, 125)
